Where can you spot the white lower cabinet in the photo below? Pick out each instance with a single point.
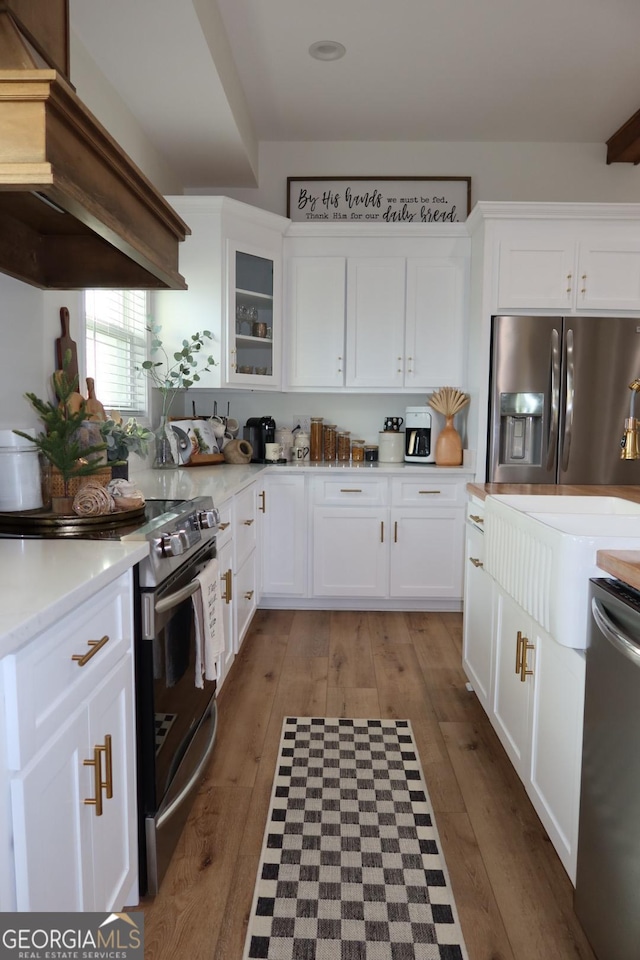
(245, 540)
(477, 636)
(225, 567)
(400, 539)
(282, 516)
(72, 784)
(535, 703)
(350, 553)
(245, 597)
(426, 552)
(512, 690)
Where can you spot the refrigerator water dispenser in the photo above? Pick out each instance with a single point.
(521, 428)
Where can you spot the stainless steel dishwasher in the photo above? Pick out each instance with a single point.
(607, 896)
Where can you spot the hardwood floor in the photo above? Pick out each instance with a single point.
(513, 896)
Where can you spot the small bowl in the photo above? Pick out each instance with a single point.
(261, 371)
(245, 369)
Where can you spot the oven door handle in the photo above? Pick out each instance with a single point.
(168, 812)
(175, 598)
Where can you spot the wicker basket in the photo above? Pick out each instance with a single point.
(103, 476)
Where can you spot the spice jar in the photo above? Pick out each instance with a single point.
(344, 445)
(370, 453)
(357, 451)
(329, 441)
(315, 443)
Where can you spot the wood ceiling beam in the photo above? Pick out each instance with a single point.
(624, 145)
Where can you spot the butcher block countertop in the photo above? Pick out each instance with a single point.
(483, 490)
(622, 564)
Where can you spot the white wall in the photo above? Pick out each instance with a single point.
(362, 414)
(572, 172)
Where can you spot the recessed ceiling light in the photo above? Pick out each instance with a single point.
(327, 50)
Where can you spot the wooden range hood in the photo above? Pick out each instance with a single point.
(75, 211)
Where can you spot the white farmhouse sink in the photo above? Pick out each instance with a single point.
(542, 552)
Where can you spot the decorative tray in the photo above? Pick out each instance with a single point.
(204, 460)
(33, 520)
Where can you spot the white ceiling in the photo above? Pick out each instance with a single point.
(208, 79)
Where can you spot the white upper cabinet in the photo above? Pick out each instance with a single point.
(316, 288)
(375, 322)
(570, 266)
(232, 263)
(375, 310)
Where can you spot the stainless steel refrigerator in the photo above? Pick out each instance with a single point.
(559, 396)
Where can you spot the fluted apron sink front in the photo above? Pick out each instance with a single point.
(542, 551)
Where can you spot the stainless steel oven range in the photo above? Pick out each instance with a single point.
(176, 720)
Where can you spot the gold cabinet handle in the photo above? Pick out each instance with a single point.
(108, 767)
(476, 562)
(83, 658)
(476, 518)
(263, 505)
(584, 284)
(223, 526)
(349, 490)
(382, 531)
(524, 670)
(518, 651)
(395, 531)
(339, 361)
(569, 283)
(247, 523)
(248, 595)
(429, 491)
(95, 801)
(228, 588)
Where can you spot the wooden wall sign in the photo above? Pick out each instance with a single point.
(378, 199)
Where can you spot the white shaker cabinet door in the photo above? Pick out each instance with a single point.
(52, 826)
(608, 274)
(115, 833)
(477, 634)
(350, 553)
(512, 689)
(436, 300)
(316, 291)
(537, 267)
(426, 552)
(281, 504)
(375, 322)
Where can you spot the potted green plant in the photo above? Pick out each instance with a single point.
(63, 441)
(123, 439)
(169, 378)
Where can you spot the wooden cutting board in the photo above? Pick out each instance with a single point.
(65, 343)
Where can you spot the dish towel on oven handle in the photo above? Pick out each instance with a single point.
(207, 606)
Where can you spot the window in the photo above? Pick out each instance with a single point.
(116, 344)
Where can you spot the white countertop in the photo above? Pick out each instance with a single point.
(224, 480)
(42, 580)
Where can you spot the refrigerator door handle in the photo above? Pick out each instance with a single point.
(552, 440)
(568, 416)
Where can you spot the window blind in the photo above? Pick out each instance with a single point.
(116, 344)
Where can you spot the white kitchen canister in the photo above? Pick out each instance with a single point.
(19, 472)
(391, 446)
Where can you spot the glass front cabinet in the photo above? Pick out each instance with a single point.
(254, 316)
(232, 264)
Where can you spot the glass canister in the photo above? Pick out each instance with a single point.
(344, 445)
(357, 451)
(371, 453)
(329, 441)
(315, 442)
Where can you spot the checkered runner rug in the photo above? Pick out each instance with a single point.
(351, 867)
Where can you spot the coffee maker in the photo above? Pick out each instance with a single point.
(419, 436)
(258, 431)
